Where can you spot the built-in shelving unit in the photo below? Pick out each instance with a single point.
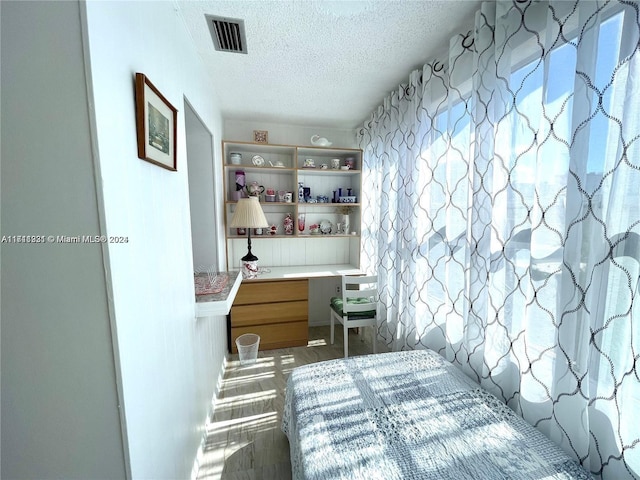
(282, 169)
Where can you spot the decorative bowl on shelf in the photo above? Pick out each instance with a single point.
(351, 199)
(344, 167)
(325, 227)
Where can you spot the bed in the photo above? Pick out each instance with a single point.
(409, 415)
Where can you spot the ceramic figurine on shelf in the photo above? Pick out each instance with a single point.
(318, 141)
(254, 190)
(288, 224)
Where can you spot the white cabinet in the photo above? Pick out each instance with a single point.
(280, 169)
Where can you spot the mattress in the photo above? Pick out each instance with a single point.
(409, 415)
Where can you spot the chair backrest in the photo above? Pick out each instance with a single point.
(359, 287)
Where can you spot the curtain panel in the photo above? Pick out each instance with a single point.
(502, 215)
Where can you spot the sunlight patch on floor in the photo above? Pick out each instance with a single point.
(318, 342)
(234, 382)
(245, 399)
(258, 422)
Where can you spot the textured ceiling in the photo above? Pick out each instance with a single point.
(321, 63)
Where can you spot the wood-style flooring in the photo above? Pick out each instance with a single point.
(244, 440)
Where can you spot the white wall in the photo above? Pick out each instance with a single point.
(169, 361)
(60, 416)
(287, 134)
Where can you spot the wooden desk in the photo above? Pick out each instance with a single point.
(276, 305)
(305, 271)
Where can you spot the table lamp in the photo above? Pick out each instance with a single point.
(248, 214)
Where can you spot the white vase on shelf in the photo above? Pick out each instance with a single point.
(346, 225)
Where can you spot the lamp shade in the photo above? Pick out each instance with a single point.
(248, 214)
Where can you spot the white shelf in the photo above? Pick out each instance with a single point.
(327, 205)
(329, 171)
(297, 248)
(320, 236)
(254, 169)
(219, 303)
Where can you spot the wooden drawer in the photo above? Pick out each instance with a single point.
(268, 313)
(270, 292)
(277, 335)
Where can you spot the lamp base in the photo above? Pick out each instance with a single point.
(249, 257)
(249, 268)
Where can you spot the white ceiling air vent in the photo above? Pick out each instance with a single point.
(227, 33)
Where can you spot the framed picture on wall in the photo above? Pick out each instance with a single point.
(156, 124)
(261, 136)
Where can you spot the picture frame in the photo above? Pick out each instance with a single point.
(156, 125)
(261, 136)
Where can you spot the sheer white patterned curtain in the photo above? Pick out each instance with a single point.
(504, 221)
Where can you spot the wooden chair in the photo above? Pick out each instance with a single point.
(357, 307)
